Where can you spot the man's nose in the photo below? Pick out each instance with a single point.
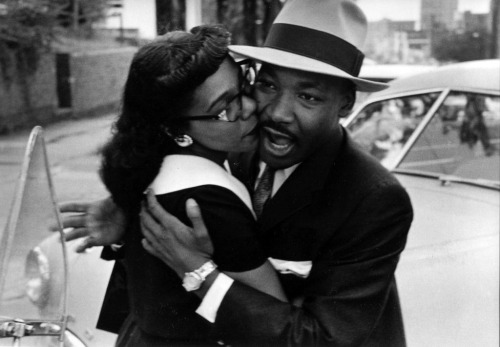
(248, 107)
(279, 109)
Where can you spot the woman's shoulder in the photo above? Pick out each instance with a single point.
(181, 172)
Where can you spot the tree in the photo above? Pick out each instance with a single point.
(249, 22)
(26, 30)
(271, 10)
(80, 15)
(170, 15)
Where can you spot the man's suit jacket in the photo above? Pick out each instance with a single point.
(344, 212)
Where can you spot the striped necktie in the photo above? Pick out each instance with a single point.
(263, 190)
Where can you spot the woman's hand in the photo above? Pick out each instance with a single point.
(100, 223)
(182, 248)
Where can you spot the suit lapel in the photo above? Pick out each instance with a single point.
(301, 187)
(245, 167)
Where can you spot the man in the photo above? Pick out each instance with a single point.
(335, 222)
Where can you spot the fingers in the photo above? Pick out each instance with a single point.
(77, 221)
(76, 234)
(194, 213)
(148, 246)
(149, 226)
(72, 206)
(159, 213)
(86, 244)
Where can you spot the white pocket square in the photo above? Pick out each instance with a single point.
(297, 268)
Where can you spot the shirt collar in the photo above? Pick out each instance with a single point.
(280, 176)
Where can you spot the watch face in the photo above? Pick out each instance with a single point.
(191, 283)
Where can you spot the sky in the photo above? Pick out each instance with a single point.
(410, 9)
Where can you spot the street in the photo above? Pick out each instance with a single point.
(72, 147)
(73, 153)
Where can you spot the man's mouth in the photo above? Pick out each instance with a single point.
(276, 142)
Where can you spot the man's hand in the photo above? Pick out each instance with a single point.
(101, 223)
(182, 248)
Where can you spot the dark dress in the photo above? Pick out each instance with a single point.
(162, 312)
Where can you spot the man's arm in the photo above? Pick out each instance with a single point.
(100, 223)
(180, 258)
(350, 291)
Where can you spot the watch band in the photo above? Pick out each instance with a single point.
(206, 269)
(193, 280)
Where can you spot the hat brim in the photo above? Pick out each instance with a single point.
(299, 62)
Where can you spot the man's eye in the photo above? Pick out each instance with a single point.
(265, 85)
(223, 116)
(309, 97)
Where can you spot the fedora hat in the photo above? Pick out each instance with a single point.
(320, 36)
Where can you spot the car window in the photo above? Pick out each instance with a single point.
(462, 139)
(383, 127)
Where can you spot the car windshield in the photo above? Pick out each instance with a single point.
(460, 140)
(28, 276)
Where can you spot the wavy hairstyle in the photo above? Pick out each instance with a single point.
(160, 86)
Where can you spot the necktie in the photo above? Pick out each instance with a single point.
(263, 190)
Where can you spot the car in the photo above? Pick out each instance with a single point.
(49, 294)
(373, 71)
(439, 133)
(388, 72)
(421, 128)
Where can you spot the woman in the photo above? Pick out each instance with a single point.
(183, 110)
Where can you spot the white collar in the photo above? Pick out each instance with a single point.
(280, 176)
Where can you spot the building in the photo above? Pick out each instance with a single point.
(475, 21)
(438, 14)
(396, 42)
(406, 25)
(131, 18)
(494, 28)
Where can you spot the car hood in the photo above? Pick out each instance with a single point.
(450, 213)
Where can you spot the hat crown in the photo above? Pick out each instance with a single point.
(318, 36)
(341, 18)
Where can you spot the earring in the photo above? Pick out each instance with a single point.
(183, 140)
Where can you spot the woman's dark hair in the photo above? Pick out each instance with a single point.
(160, 85)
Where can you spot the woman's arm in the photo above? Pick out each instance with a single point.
(263, 278)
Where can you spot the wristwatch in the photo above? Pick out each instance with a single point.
(194, 280)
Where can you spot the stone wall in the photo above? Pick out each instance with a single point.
(97, 80)
(30, 100)
(65, 85)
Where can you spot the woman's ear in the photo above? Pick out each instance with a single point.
(181, 139)
(167, 131)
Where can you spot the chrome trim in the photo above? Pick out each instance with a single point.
(18, 328)
(421, 127)
(374, 98)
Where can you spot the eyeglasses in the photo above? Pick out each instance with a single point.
(235, 105)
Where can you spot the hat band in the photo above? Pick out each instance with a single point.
(317, 45)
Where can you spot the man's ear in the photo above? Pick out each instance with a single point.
(348, 103)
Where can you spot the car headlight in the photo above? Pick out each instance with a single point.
(37, 275)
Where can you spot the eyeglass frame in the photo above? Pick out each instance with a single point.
(245, 89)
